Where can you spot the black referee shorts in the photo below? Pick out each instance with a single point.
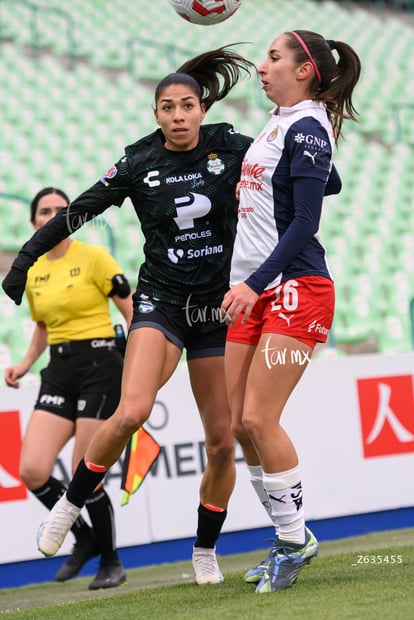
(82, 380)
(197, 328)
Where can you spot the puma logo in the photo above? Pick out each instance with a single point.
(310, 155)
(286, 318)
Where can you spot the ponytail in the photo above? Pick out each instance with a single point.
(212, 74)
(334, 82)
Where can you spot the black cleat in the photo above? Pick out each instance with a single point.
(110, 575)
(82, 552)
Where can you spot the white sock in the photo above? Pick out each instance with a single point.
(256, 479)
(284, 490)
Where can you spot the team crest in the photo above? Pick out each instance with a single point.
(215, 165)
(145, 307)
(272, 135)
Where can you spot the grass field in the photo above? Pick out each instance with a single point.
(367, 577)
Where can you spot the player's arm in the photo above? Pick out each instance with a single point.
(334, 183)
(85, 208)
(310, 177)
(308, 196)
(107, 191)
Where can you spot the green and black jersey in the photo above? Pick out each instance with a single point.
(186, 204)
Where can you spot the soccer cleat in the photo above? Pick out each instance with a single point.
(111, 574)
(255, 574)
(285, 566)
(206, 569)
(52, 532)
(82, 552)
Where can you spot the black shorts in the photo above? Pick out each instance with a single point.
(82, 380)
(198, 329)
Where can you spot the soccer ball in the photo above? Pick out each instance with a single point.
(205, 12)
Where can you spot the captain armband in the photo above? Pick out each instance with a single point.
(120, 286)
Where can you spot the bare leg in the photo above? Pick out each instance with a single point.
(237, 361)
(207, 381)
(150, 361)
(269, 384)
(45, 436)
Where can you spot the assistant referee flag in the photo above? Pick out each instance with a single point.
(140, 453)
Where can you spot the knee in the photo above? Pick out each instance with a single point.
(221, 452)
(25, 475)
(126, 426)
(249, 426)
(240, 433)
(32, 476)
(242, 428)
(128, 419)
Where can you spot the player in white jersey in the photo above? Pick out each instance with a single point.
(281, 300)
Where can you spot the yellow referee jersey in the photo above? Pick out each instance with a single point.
(70, 294)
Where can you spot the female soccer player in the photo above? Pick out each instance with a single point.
(68, 290)
(281, 300)
(181, 180)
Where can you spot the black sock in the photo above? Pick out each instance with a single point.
(83, 483)
(49, 494)
(209, 527)
(101, 513)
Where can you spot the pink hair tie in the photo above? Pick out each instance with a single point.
(309, 55)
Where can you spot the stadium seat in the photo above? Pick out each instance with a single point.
(65, 125)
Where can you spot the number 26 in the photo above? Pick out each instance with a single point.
(286, 296)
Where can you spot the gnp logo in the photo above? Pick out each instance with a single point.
(387, 415)
(11, 487)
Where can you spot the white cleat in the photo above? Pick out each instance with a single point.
(206, 569)
(52, 532)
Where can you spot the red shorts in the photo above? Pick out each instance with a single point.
(302, 308)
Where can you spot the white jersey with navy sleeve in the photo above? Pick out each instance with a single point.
(277, 221)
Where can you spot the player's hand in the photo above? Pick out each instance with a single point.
(238, 191)
(14, 284)
(240, 298)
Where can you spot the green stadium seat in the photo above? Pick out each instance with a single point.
(80, 118)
